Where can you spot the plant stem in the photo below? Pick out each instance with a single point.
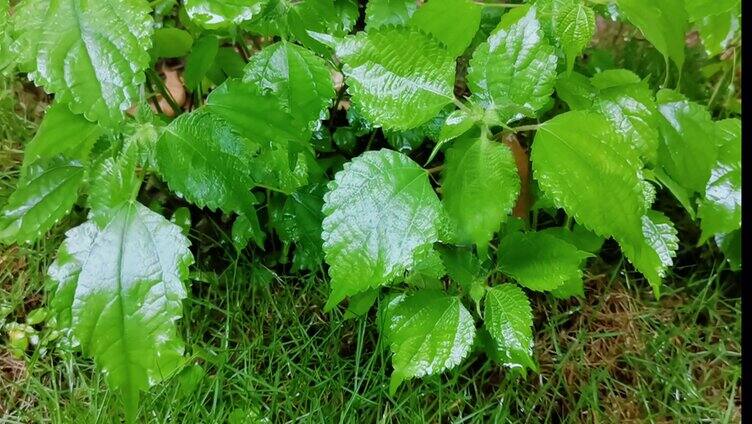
(435, 169)
(532, 127)
(165, 93)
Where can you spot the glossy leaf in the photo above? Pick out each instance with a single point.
(429, 332)
(203, 160)
(119, 290)
(222, 14)
(453, 22)
(593, 175)
(388, 12)
(509, 320)
(301, 224)
(688, 149)
(297, 76)
(91, 55)
(575, 26)
(480, 186)
(199, 61)
(540, 261)
(514, 71)
(399, 77)
(653, 256)
(720, 211)
(380, 210)
(114, 184)
(43, 196)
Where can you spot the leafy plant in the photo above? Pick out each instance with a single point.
(286, 142)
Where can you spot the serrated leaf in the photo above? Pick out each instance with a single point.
(653, 256)
(465, 269)
(380, 210)
(575, 26)
(593, 175)
(61, 133)
(663, 23)
(301, 223)
(514, 71)
(453, 22)
(720, 211)
(114, 183)
(631, 110)
(222, 14)
(92, 55)
(206, 162)
(427, 269)
(398, 77)
(553, 263)
(388, 12)
(480, 185)
(429, 332)
(509, 320)
(297, 76)
(260, 119)
(43, 196)
(119, 290)
(688, 149)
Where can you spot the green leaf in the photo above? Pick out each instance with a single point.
(731, 246)
(632, 112)
(379, 212)
(509, 320)
(465, 269)
(297, 76)
(246, 228)
(398, 77)
(718, 31)
(301, 223)
(553, 263)
(480, 186)
(688, 149)
(203, 160)
(575, 26)
(114, 184)
(514, 71)
(281, 139)
(222, 14)
(664, 23)
(91, 55)
(593, 175)
(698, 9)
(453, 22)
(429, 332)
(360, 304)
(119, 289)
(680, 193)
(720, 211)
(388, 12)
(199, 61)
(171, 42)
(653, 256)
(61, 133)
(43, 196)
(576, 90)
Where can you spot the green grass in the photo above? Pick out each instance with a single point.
(259, 343)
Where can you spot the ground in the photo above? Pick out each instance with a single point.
(260, 346)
